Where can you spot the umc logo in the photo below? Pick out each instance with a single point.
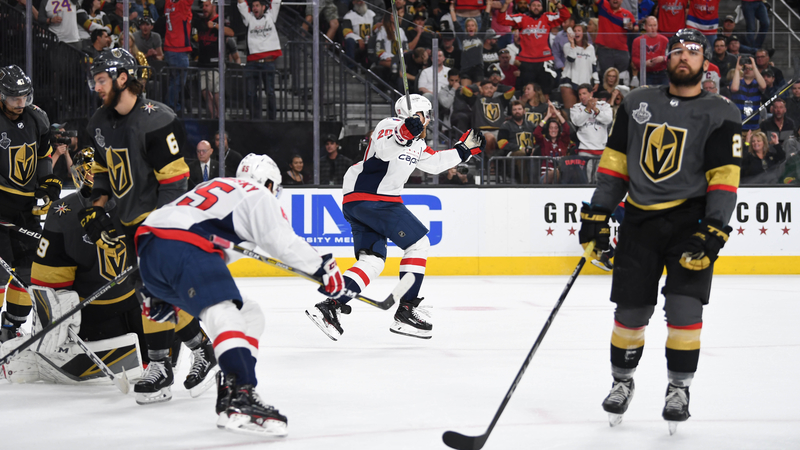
(327, 226)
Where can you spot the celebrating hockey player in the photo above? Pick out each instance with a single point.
(138, 164)
(181, 266)
(675, 150)
(25, 176)
(376, 213)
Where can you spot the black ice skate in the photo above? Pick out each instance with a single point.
(248, 414)
(618, 400)
(676, 407)
(325, 316)
(204, 365)
(155, 384)
(9, 329)
(226, 386)
(603, 263)
(411, 320)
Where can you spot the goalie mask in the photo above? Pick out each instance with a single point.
(418, 104)
(261, 169)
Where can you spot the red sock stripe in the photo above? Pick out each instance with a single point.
(234, 335)
(617, 324)
(360, 274)
(695, 326)
(413, 262)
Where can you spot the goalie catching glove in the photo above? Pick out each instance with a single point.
(99, 227)
(594, 227)
(49, 189)
(332, 280)
(471, 143)
(702, 248)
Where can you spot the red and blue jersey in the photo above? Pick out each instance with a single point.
(611, 32)
(704, 16)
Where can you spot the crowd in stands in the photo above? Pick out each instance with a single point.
(540, 78)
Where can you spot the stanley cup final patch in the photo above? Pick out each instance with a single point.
(641, 115)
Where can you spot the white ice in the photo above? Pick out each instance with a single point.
(377, 390)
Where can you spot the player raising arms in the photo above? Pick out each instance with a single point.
(376, 213)
(675, 150)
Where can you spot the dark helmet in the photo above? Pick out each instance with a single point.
(14, 83)
(689, 35)
(114, 62)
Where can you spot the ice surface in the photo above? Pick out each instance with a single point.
(377, 390)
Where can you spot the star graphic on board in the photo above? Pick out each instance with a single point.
(763, 230)
(572, 231)
(786, 230)
(740, 230)
(549, 231)
(62, 209)
(149, 107)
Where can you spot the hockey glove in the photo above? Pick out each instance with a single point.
(99, 227)
(701, 249)
(471, 143)
(411, 128)
(49, 189)
(594, 227)
(332, 281)
(158, 310)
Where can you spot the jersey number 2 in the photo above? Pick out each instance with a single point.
(209, 199)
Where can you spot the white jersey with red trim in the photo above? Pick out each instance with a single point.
(238, 210)
(389, 162)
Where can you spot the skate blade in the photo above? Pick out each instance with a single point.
(240, 423)
(614, 419)
(222, 420)
(405, 330)
(599, 264)
(673, 427)
(208, 381)
(148, 398)
(329, 331)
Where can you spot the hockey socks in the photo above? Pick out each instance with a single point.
(239, 362)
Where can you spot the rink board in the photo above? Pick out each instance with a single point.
(525, 231)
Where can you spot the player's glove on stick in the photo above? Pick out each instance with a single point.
(702, 248)
(594, 227)
(471, 143)
(332, 280)
(99, 227)
(411, 128)
(49, 189)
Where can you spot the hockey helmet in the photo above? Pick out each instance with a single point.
(261, 169)
(418, 104)
(14, 83)
(687, 36)
(81, 169)
(114, 62)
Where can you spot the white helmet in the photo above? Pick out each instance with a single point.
(418, 104)
(261, 169)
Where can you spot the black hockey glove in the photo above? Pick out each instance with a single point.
(471, 143)
(49, 190)
(594, 227)
(701, 249)
(99, 227)
(412, 128)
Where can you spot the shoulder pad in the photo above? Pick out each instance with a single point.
(39, 115)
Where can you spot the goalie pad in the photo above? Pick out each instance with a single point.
(68, 364)
(48, 306)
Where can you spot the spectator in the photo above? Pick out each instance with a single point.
(761, 163)
(461, 112)
(515, 138)
(91, 17)
(490, 50)
(495, 76)
(671, 16)
(559, 41)
(534, 102)
(463, 10)
(733, 46)
(471, 44)
(447, 95)
(779, 124)
(453, 176)
(452, 53)
(232, 158)
(756, 19)
(510, 71)
(592, 119)
(553, 142)
(100, 41)
(333, 167)
(387, 64)
(728, 26)
(617, 96)
(207, 26)
(610, 80)
(416, 60)
(148, 41)
(204, 167)
(420, 32)
(145, 8)
(536, 58)
(656, 48)
(793, 103)
(721, 58)
(580, 67)
(611, 43)
(263, 48)
(488, 110)
(746, 89)
(294, 175)
(769, 80)
(703, 15)
(177, 46)
(710, 86)
(504, 32)
(140, 60)
(357, 26)
(61, 17)
(763, 63)
(791, 171)
(328, 17)
(116, 17)
(425, 86)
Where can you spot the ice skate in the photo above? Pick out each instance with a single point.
(155, 384)
(603, 262)
(8, 329)
(617, 401)
(204, 366)
(325, 316)
(226, 385)
(676, 407)
(248, 414)
(411, 320)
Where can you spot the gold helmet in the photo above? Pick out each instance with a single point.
(81, 169)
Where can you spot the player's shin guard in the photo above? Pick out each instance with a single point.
(683, 352)
(235, 344)
(627, 346)
(368, 267)
(18, 303)
(415, 258)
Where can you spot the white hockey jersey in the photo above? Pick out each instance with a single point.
(238, 210)
(389, 162)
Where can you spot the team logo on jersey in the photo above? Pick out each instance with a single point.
(491, 111)
(651, 48)
(525, 140)
(62, 209)
(149, 107)
(364, 30)
(533, 117)
(22, 163)
(641, 115)
(119, 170)
(662, 151)
(112, 261)
(4, 141)
(101, 141)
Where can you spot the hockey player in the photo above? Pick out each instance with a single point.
(675, 150)
(181, 266)
(138, 164)
(25, 176)
(375, 211)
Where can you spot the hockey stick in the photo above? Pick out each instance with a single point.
(401, 56)
(33, 339)
(21, 230)
(462, 442)
(405, 283)
(769, 102)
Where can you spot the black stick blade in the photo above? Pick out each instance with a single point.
(461, 442)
